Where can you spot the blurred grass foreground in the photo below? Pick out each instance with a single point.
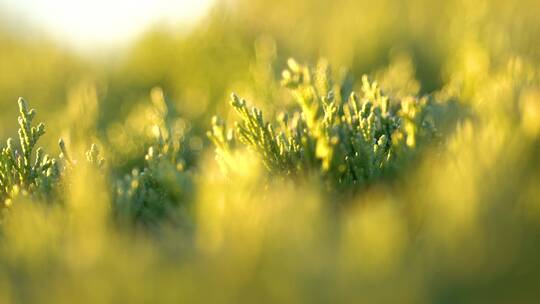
(396, 159)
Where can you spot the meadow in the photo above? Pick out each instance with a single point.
(304, 151)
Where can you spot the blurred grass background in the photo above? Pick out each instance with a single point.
(463, 226)
(238, 42)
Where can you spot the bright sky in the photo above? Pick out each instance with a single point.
(84, 23)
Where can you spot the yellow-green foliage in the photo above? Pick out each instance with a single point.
(439, 207)
(20, 169)
(162, 188)
(351, 139)
(28, 170)
(252, 238)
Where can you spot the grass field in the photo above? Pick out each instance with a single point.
(278, 152)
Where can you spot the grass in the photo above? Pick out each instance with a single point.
(411, 176)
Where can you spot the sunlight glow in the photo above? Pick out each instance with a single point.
(103, 22)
